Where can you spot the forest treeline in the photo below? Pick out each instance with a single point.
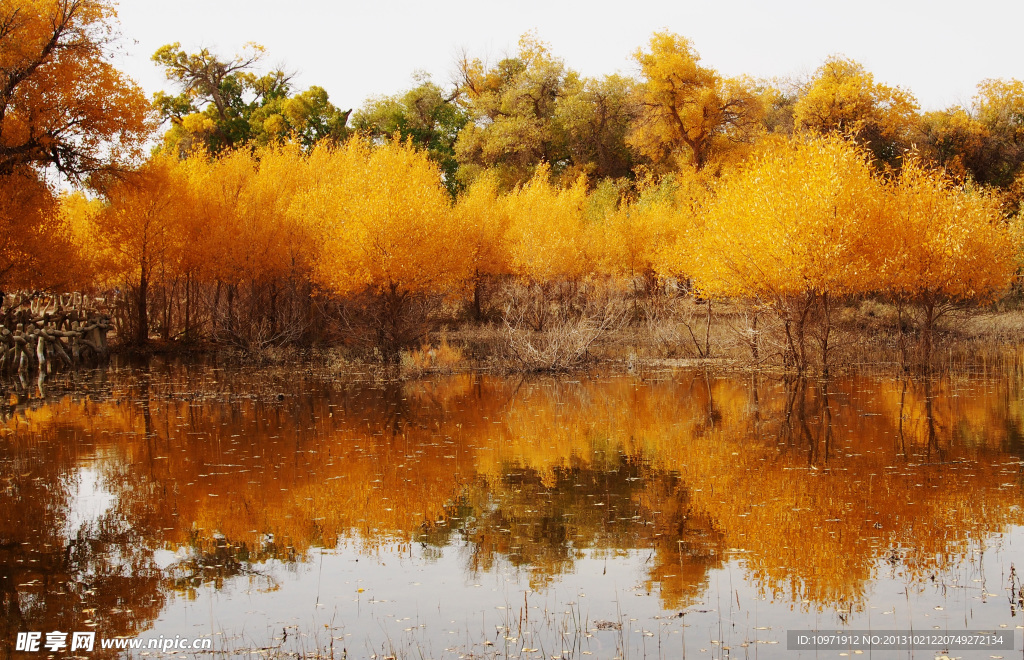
(267, 215)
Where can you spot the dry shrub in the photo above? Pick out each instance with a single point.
(681, 325)
(568, 332)
(381, 325)
(538, 304)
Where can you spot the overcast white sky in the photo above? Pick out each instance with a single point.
(938, 49)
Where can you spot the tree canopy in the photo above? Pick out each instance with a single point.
(264, 201)
(62, 103)
(843, 97)
(688, 111)
(222, 104)
(427, 116)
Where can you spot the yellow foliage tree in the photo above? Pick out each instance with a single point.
(647, 234)
(387, 229)
(790, 230)
(484, 221)
(547, 234)
(942, 244)
(999, 106)
(512, 108)
(139, 230)
(689, 112)
(62, 104)
(957, 141)
(246, 246)
(254, 249)
(79, 214)
(844, 98)
(35, 250)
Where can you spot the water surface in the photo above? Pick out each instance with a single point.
(682, 514)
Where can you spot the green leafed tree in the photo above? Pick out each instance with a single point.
(222, 104)
(594, 116)
(511, 107)
(426, 115)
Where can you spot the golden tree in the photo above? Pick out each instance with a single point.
(484, 222)
(647, 234)
(62, 106)
(689, 112)
(942, 244)
(211, 228)
(999, 106)
(387, 230)
(790, 230)
(62, 103)
(594, 117)
(139, 230)
(844, 98)
(94, 267)
(225, 103)
(547, 235)
(428, 115)
(254, 256)
(956, 141)
(35, 251)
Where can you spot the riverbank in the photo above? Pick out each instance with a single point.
(632, 334)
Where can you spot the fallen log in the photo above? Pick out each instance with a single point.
(45, 337)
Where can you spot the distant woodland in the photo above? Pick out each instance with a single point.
(525, 196)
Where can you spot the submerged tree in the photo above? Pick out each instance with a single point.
(254, 255)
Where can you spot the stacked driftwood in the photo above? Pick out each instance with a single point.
(45, 333)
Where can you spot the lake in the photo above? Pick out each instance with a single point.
(680, 514)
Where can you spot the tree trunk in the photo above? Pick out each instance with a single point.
(926, 332)
(478, 313)
(707, 333)
(188, 307)
(273, 308)
(826, 329)
(231, 309)
(216, 309)
(142, 311)
(754, 351)
(901, 335)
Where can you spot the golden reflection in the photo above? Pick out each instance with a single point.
(810, 484)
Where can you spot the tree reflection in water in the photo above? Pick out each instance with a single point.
(813, 484)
